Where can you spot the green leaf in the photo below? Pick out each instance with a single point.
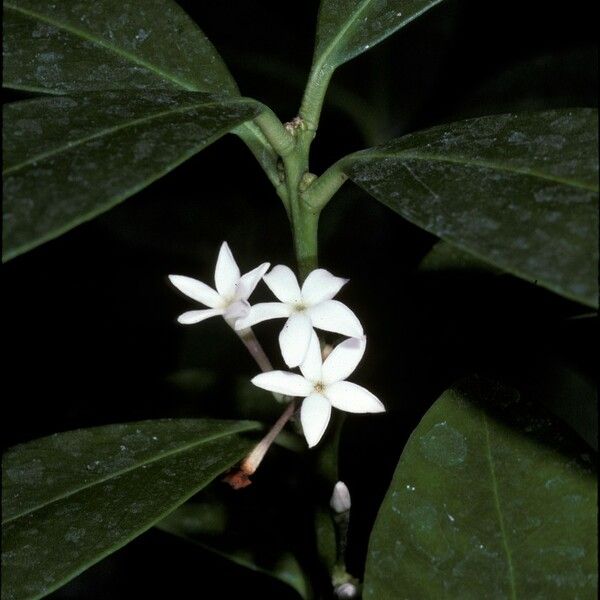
(246, 538)
(347, 28)
(518, 191)
(58, 47)
(444, 257)
(67, 47)
(71, 499)
(491, 499)
(69, 158)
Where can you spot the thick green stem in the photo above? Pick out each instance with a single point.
(314, 95)
(280, 139)
(303, 218)
(324, 187)
(306, 224)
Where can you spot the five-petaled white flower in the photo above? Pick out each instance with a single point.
(322, 385)
(231, 296)
(311, 306)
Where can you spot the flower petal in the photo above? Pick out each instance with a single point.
(315, 413)
(196, 290)
(312, 363)
(283, 283)
(283, 382)
(263, 312)
(195, 316)
(353, 398)
(248, 282)
(321, 285)
(294, 339)
(239, 309)
(344, 358)
(332, 315)
(227, 273)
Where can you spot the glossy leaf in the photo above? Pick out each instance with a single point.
(347, 28)
(445, 257)
(71, 46)
(70, 499)
(69, 158)
(246, 538)
(68, 47)
(518, 191)
(491, 498)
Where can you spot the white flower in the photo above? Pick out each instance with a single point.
(231, 296)
(311, 306)
(322, 386)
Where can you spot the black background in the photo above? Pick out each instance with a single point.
(89, 319)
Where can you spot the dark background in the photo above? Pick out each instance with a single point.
(89, 319)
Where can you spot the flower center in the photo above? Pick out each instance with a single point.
(319, 387)
(300, 306)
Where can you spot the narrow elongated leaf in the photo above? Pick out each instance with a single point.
(347, 28)
(491, 499)
(69, 158)
(113, 44)
(518, 191)
(71, 499)
(246, 538)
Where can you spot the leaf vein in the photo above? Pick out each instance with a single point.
(110, 130)
(475, 163)
(103, 44)
(511, 572)
(116, 474)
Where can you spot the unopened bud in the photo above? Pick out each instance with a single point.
(340, 499)
(346, 591)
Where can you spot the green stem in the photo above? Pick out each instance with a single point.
(304, 219)
(314, 96)
(278, 136)
(305, 228)
(324, 187)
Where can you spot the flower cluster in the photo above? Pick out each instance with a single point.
(322, 383)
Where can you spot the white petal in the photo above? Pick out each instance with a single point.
(315, 413)
(344, 358)
(237, 310)
(312, 363)
(321, 285)
(283, 283)
(332, 315)
(294, 339)
(195, 316)
(283, 382)
(248, 282)
(263, 312)
(196, 290)
(353, 398)
(227, 273)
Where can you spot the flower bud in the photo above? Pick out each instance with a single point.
(346, 591)
(340, 499)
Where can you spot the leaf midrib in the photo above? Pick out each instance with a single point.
(331, 46)
(511, 572)
(105, 45)
(366, 155)
(116, 474)
(115, 128)
(319, 65)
